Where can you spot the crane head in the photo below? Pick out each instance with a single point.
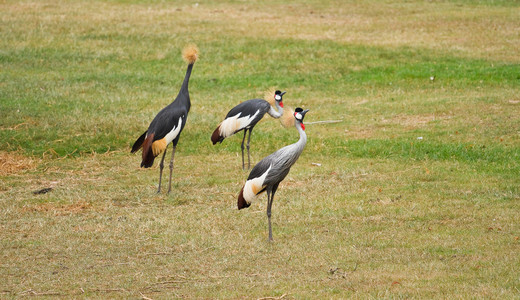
(299, 114)
(278, 97)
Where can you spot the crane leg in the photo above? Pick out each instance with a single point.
(243, 139)
(270, 195)
(248, 156)
(161, 167)
(171, 169)
(270, 198)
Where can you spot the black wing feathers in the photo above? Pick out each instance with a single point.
(139, 143)
(250, 107)
(166, 119)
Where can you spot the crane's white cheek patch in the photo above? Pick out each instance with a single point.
(254, 186)
(232, 124)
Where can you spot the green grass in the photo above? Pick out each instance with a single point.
(416, 194)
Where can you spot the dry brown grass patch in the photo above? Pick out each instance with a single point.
(469, 30)
(59, 209)
(360, 132)
(11, 163)
(414, 121)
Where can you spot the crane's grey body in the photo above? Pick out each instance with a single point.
(280, 161)
(270, 171)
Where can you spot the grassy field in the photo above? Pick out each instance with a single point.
(414, 194)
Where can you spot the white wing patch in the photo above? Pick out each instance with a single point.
(232, 124)
(253, 186)
(170, 136)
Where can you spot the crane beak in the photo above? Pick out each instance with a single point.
(282, 93)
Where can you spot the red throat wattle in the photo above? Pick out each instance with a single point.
(281, 104)
(303, 127)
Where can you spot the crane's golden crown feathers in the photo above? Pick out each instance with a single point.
(190, 54)
(269, 96)
(287, 119)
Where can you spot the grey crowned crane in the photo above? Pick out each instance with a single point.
(167, 125)
(270, 171)
(244, 117)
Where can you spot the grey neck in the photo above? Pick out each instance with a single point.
(275, 113)
(303, 136)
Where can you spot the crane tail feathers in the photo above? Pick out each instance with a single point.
(216, 137)
(148, 156)
(138, 143)
(242, 203)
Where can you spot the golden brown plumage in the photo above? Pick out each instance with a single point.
(269, 96)
(287, 119)
(190, 54)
